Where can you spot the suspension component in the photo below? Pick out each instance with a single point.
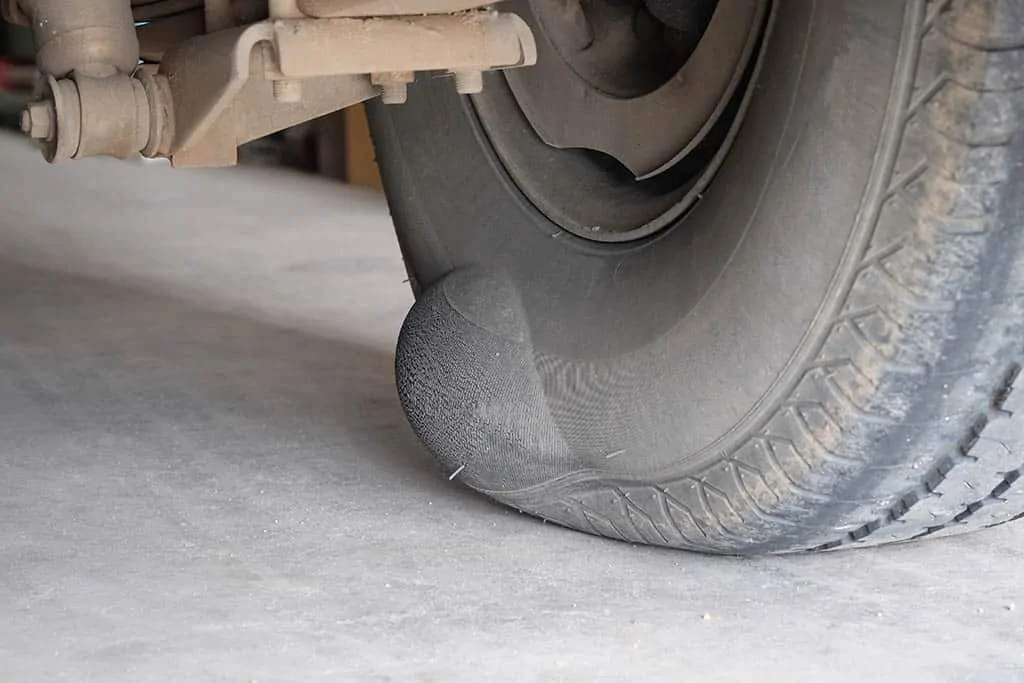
(96, 38)
(216, 91)
(92, 103)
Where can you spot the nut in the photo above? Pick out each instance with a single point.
(37, 120)
(393, 85)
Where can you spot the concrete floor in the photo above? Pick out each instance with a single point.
(205, 476)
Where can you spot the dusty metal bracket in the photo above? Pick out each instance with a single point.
(237, 85)
(221, 98)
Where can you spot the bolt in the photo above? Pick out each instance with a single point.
(37, 120)
(288, 90)
(393, 93)
(469, 82)
(393, 85)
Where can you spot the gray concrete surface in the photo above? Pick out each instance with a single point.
(205, 476)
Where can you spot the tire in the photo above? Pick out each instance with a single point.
(824, 352)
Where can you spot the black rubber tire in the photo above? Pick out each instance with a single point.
(824, 352)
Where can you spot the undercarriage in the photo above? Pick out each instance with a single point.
(192, 80)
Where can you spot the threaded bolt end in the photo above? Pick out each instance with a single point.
(469, 82)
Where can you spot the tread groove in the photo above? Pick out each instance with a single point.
(632, 508)
(666, 512)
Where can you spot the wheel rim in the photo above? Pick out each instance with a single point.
(647, 143)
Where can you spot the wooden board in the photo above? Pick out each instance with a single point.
(360, 159)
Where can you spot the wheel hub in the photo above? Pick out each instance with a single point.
(612, 78)
(617, 48)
